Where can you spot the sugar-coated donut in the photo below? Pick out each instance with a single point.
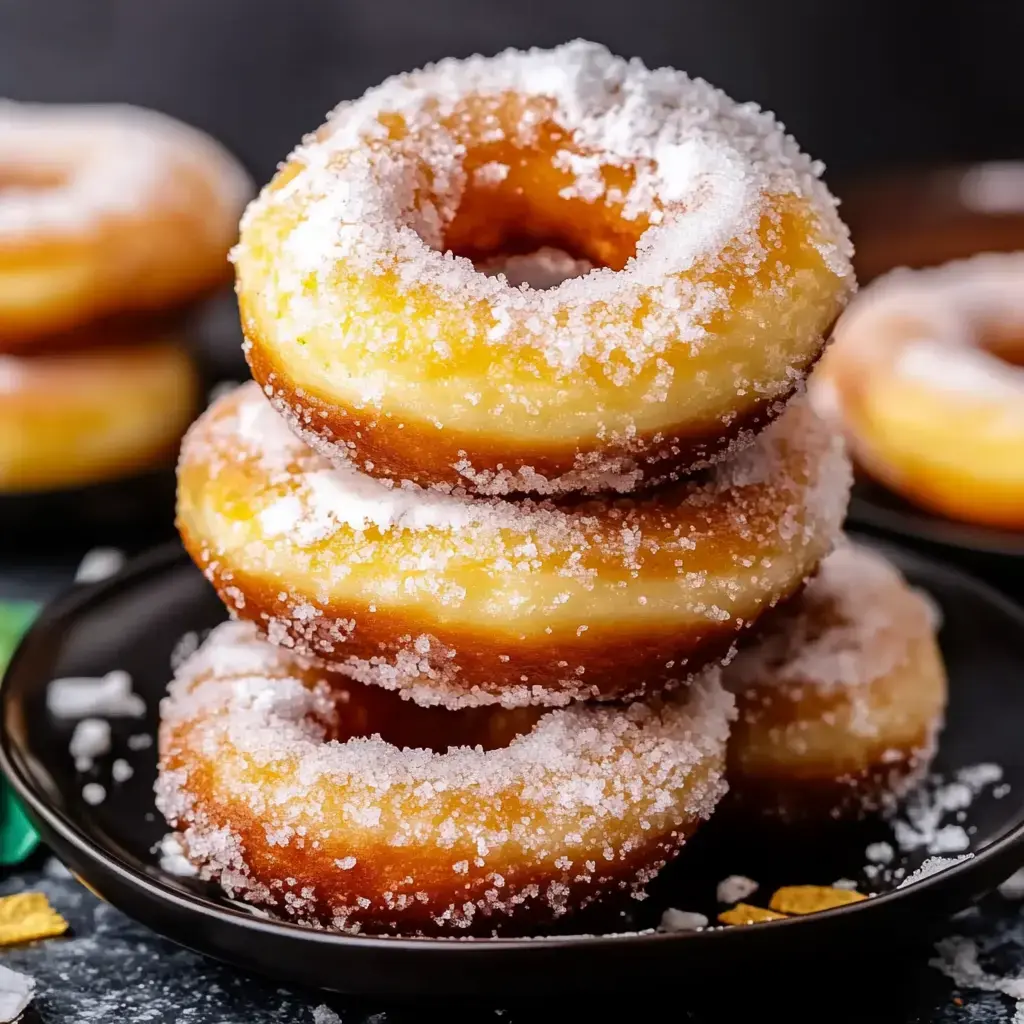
(719, 268)
(481, 600)
(106, 210)
(840, 701)
(74, 418)
(342, 806)
(926, 377)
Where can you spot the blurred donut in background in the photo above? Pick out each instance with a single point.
(924, 373)
(106, 210)
(73, 418)
(925, 379)
(115, 225)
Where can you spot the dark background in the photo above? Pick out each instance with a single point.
(864, 84)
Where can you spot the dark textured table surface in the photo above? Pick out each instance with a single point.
(110, 969)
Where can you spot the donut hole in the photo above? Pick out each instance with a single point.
(363, 711)
(30, 179)
(520, 198)
(1006, 343)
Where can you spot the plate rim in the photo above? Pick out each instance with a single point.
(1008, 847)
(918, 525)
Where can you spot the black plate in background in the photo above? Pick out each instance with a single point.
(995, 555)
(129, 513)
(875, 505)
(134, 621)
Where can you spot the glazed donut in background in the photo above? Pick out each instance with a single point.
(343, 806)
(718, 268)
(921, 379)
(106, 210)
(465, 601)
(840, 702)
(80, 417)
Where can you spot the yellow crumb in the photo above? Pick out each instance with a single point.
(745, 913)
(809, 899)
(28, 916)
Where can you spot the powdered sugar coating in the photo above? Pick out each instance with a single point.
(681, 139)
(841, 699)
(96, 161)
(460, 600)
(841, 631)
(361, 318)
(589, 800)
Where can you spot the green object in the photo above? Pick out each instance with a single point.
(17, 836)
(15, 618)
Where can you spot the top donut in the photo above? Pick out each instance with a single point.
(545, 271)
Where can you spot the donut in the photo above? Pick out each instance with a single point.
(476, 600)
(106, 210)
(707, 265)
(74, 418)
(926, 377)
(342, 806)
(840, 701)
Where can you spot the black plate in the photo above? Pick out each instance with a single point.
(875, 506)
(133, 511)
(134, 621)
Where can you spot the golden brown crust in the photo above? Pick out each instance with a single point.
(840, 698)
(347, 807)
(486, 600)
(658, 658)
(419, 452)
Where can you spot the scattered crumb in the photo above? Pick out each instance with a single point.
(172, 857)
(745, 913)
(325, 1015)
(121, 770)
(93, 793)
(54, 868)
(958, 959)
(90, 740)
(99, 564)
(932, 866)
(923, 824)
(80, 697)
(809, 899)
(682, 921)
(735, 888)
(16, 991)
(879, 853)
(27, 916)
(1013, 887)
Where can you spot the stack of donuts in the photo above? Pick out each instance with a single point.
(525, 456)
(112, 220)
